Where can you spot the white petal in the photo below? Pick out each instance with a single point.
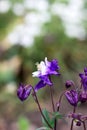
(47, 62)
(43, 68)
(36, 74)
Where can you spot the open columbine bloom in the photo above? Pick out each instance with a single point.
(45, 69)
(83, 77)
(72, 97)
(23, 92)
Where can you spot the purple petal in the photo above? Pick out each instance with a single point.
(81, 75)
(46, 79)
(85, 69)
(54, 65)
(40, 85)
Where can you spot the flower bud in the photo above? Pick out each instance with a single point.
(23, 91)
(68, 83)
(72, 97)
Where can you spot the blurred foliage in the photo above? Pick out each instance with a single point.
(23, 123)
(6, 20)
(52, 43)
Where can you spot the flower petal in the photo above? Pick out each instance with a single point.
(39, 85)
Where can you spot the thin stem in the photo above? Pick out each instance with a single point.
(74, 110)
(51, 95)
(84, 126)
(72, 125)
(58, 107)
(36, 100)
(60, 99)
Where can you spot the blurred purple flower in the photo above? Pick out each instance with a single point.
(83, 77)
(83, 97)
(72, 97)
(45, 69)
(23, 91)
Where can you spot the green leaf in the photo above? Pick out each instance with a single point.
(51, 121)
(57, 115)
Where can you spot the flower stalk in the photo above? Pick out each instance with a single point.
(84, 126)
(36, 100)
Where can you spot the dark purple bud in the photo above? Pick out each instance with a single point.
(24, 91)
(78, 123)
(83, 97)
(69, 83)
(72, 97)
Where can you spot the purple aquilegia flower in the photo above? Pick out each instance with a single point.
(72, 97)
(45, 69)
(83, 96)
(23, 91)
(83, 77)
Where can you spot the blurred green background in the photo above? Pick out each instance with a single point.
(31, 30)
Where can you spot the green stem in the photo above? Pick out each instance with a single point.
(53, 106)
(51, 94)
(36, 100)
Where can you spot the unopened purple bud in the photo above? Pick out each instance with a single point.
(69, 83)
(23, 91)
(72, 97)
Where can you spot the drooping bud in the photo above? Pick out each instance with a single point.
(69, 83)
(72, 97)
(24, 91)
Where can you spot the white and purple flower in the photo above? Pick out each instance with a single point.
(44, 70)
